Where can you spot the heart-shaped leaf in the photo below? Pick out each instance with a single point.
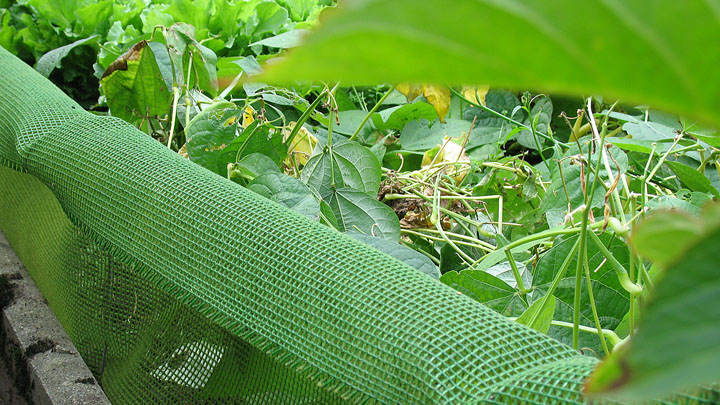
(357, 211)
(346, 164)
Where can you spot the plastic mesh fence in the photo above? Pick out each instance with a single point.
(179, 286)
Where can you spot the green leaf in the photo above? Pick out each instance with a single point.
(285, 40)
(51, 60)
(640, 145)
(357, 211)
(287, 191)
(419, 136)
(348, 164)
(612, 301)
(93, 18)
(543, 315)
(645, 130)
(486, 288)
(671, 202)
(254, 165)
(707, 135)
(489, 128)
(541, 115)
(633, 49)
(396, 117)
(204, 61)
(209, 133)
(665, 235)
(349, 121)
(676, 345)
(691, 178)
(256, 138)
(134, 85)
(566, 181)
(403, 253)
(504, 272)
(300, 10)
(270, 17)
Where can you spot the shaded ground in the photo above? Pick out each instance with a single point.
(8, 393)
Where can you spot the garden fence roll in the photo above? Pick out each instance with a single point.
(179, 286)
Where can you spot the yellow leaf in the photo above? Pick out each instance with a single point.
(476, 94)
(248, 116)
(411, 91)
(183, 151)
(438, 96)
(449, 155)
(302, 145)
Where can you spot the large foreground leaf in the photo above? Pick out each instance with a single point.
(676, 345)
(653, 52)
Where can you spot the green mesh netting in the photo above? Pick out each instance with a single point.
(177, 285)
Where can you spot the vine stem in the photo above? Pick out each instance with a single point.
(435, 218)
(593, 307)
(607, 333)
(371, 112)
(304, 117)
(556, 281)
(506, 118)
(176, 98)
(582, 256)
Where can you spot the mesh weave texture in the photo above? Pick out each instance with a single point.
(177, 285)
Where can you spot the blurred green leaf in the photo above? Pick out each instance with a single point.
(633, 49)
(665, 235)
(285, 40)
(676, 345)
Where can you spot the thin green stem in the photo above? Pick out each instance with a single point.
(593, 308)
(582, 257)
(556, 281)
(176, 98)
(516, 273)
(609, 334)
(506, 118)
(304, 117)
(436, 219)
(620, 271)
(440, 239)
(370, 113)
